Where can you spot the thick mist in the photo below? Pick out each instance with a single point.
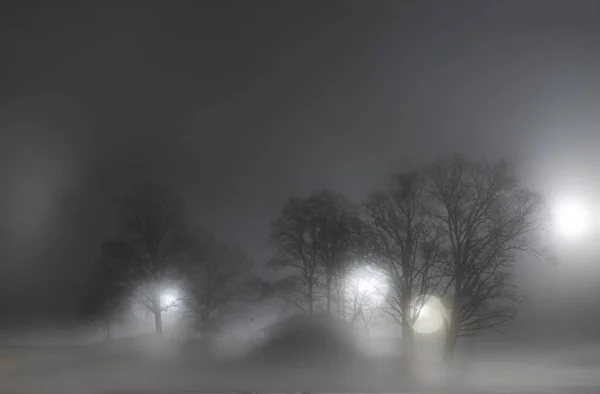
(239, 106)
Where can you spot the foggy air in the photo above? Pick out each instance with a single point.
(300, 197)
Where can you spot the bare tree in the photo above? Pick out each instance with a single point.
(154, 241)
(338, 226)
(405, 244)
(487, 221)
(364, 290)
(294, 234)
(218, 277)
(314, 237)
(291, 288)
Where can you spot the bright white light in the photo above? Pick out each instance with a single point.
(366, 285)
(369, 282)
(431, 316)
(571, 218)
(169, 298)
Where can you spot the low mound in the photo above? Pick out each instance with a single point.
(307, 340)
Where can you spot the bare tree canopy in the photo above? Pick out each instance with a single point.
(405, 244)
(314, 238)
(153, 217)
(218, 277)
(487, 222)
(155, 238)
(338, 225)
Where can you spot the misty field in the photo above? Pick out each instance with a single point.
(139, 365)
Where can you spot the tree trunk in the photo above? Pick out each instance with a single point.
(157, 314)
(328, 294)
(342, 291)
(452, 331)
(408, 339)
(340, 300)
(449, 345)
(310, 298)
(208, 331)
(158, 322)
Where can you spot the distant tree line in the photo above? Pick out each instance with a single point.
(453, 229)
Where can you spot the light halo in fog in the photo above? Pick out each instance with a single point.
(430, 316)
(169, 298)
(571, 218)
(370, 282)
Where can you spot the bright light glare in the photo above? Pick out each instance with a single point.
(369, 282)
(431, 316)
(571, 218)
(366, 285)
(169, 298)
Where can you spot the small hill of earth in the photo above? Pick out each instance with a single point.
(307, 340)
(322, 351)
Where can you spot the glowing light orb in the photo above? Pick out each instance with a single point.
(571, 218)
(431, 316)
(169, 299)
(366, 285)
(370, 282)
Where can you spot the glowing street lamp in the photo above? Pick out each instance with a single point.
(430, 317)
(571, 218)
(170, 298)
(370, 282)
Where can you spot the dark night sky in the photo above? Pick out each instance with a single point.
(239, 105)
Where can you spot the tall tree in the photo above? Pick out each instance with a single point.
(339, 227)
(405, 243)
(154, 238)
(218, 277)
(314, 237)
(488, 221)
(295, 236)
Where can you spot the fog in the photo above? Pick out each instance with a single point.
(78, 361)
(238, 107)
(170, 366)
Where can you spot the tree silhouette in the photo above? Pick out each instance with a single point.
(314, 238)
(217, 278)
(294, 235)
(405, 244)
(338, 227)
(487, 222)
(154, 239)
